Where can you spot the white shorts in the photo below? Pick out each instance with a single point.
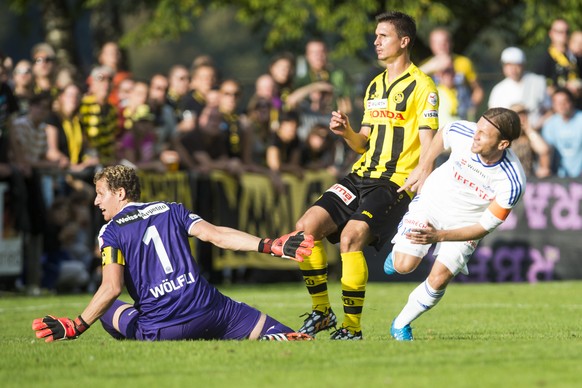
(452, 254)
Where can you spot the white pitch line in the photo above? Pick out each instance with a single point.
(516, 305)
(38, 307)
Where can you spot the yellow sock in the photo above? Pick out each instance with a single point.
(314, 271)
(354, 279)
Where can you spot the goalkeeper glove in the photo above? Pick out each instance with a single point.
(53, 329)
(292, 246)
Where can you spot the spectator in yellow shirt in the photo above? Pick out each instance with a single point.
(469, 91)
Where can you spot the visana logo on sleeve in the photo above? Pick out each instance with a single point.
(430, 114)
(143, 214)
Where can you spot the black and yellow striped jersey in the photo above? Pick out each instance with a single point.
(396, 112)
(100, 125)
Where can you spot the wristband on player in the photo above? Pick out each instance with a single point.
(265, 245)
(80, 325)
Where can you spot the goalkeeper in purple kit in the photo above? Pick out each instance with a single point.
(144, 246)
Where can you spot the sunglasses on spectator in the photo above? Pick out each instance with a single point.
(102, 77)
(44, 60)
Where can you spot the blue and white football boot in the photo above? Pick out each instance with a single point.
(404, 334)
(389, 265)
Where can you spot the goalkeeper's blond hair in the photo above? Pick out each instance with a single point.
(118, 177)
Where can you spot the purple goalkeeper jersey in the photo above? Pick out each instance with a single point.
(160, 272)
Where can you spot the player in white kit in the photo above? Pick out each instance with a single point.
(461, 201)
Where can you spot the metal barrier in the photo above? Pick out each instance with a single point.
(540, 240)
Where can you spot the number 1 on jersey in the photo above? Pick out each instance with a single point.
(152, 234)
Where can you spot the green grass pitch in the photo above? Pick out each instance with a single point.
(480, 335)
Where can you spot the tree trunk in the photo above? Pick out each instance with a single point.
(106, 26)
(58, 27)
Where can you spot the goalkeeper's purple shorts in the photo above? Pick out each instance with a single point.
(233, 321)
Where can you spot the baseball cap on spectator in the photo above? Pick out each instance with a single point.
(513, 55)
(43, 48)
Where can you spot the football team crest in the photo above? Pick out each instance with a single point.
(398, 98)
(433, 99)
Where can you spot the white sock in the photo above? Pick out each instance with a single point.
(423, 298)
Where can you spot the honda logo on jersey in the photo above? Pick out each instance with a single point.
(386, 114)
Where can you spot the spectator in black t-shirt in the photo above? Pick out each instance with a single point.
(558, 64)
(284, 150)
(203, 80)
(319, 150)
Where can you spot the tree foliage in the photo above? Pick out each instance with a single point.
(538, 16)
(348, 24)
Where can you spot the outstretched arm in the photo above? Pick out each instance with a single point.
(430, 235)
(292, 246)
(299, 94)
(109, 290)
(430, 148)
(490, 219)
(224, 237)
(52, 328)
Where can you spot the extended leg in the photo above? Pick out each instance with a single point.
(354, 279)
(423, 298)
(316, 221)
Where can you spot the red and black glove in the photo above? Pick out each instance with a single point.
(292, 246)
(55, 329)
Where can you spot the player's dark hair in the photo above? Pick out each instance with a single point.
(403, 23)
(506, 121)
(118, 177)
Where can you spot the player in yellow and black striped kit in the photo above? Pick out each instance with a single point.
(365, 207)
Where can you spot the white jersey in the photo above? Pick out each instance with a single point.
(463, 188)
(530, 90)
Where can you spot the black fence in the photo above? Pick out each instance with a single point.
(539, 241)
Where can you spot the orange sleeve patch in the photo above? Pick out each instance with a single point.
(498, 211)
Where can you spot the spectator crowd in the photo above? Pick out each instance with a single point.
(57, 128)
